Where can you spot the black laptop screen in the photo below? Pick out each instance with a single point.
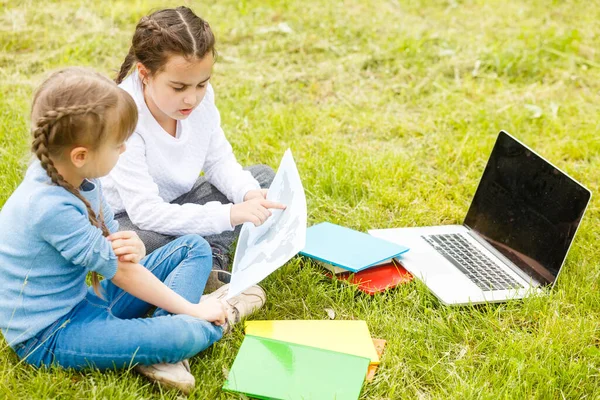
(527, 209)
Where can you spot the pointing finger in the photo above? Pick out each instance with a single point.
(273, 204)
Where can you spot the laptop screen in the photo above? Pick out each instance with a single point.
(527, 209)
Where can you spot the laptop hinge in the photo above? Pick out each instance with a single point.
(526, 277)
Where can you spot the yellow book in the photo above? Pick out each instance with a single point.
(350, 337)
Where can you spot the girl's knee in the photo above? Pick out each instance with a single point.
(263, 174)
(200, 250)
(201, 333)
(196, 243)
(189, 336)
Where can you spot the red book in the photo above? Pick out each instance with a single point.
(376, 279)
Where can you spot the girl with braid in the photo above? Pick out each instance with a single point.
(155, 189)
(56, 227)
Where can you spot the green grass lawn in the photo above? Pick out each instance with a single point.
(391, 109)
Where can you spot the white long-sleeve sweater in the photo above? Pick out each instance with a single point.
(156, 168)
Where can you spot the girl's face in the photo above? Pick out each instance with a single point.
(175, 91)
(82, 162)
(104, 158)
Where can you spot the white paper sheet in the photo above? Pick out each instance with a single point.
(263, 249)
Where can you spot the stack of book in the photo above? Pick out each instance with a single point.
(368, 262)
(301, 359)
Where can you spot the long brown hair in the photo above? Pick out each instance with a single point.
(78, 107)
(172, 31)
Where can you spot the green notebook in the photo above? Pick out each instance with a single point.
(272, 369)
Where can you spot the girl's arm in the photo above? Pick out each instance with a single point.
(147, 209)
(61, 220)
(141, 283)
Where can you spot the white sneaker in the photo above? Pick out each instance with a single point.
(241, 305)
(176, 375)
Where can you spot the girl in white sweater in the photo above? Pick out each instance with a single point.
(155, 188)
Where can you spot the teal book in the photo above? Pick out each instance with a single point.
(272, 369)
(347, 249)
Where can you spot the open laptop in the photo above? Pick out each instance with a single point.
(514, 239)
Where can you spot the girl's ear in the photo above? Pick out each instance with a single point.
(79, 156)
(143, 72)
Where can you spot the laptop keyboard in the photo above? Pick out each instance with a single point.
(472, 262)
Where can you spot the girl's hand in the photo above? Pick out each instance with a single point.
(256, 194)
(211, 310)
(254, 210)
(127, 246)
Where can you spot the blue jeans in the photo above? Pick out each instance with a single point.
(112, 333)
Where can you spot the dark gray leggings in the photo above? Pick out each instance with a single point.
(201, 193)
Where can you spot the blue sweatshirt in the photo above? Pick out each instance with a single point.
(47, 247)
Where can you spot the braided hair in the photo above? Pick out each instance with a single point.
(172, 31)
(77, 106)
